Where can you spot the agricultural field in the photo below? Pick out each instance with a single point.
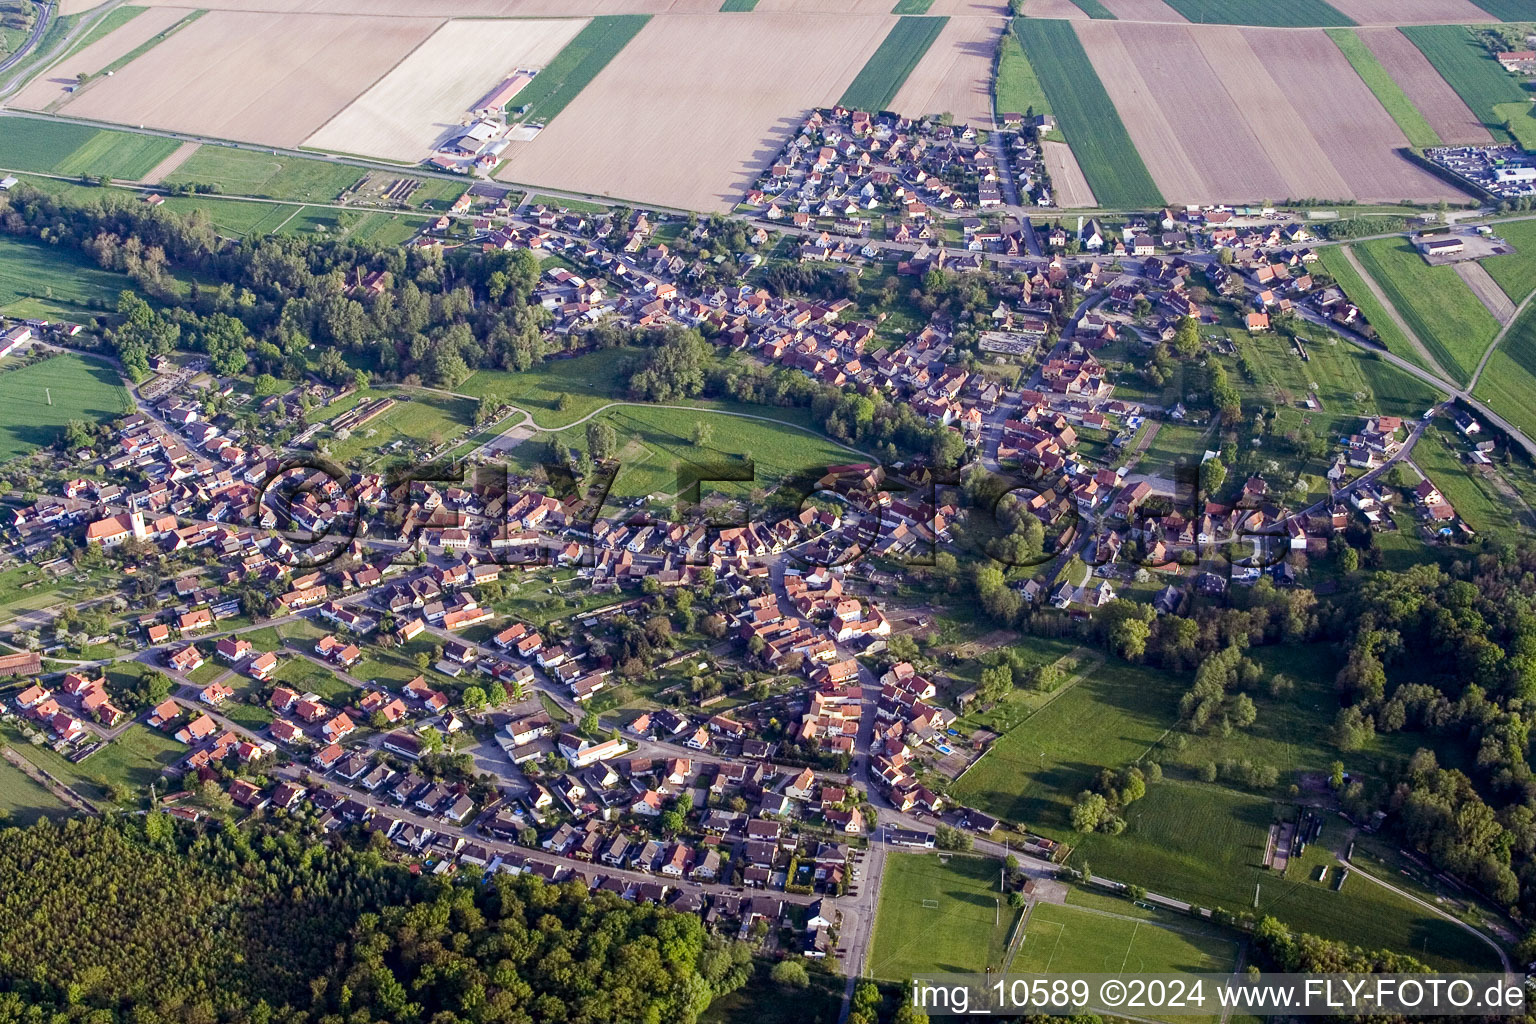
(1337, 264)
(782, 64)
(45, 280)
(127, 35)
(1415, 126)
(253, 76)
(1206, 844)
(737, 6)
(234, 218)
(134, 760)
(1428, 93)
(249, 173)
(581, 385)
(1087, 117)
(1095, 9)
(955, 76)
(1469, 69)
(1413, 12)
(573, 69)
(877, 83)
(1434, 302)
(1069, 939)
(912, 6)
(1032, 773)
(1018, 89)
(1515, 272)
(23, 801)
(937, 916)
(424, 97)
(1506, 10)
(1509, 379)
(49, 147)
(1293, 14)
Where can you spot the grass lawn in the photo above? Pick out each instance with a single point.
(965, 931)
(1387, 332)
(553, 88)
(1072, 939)
(1507, 384)
(305, 676)
(37, 401)
(22, 800)
(53, 147)
(249, 173)
(1515, 272)
(1032, 774)
(417, 418)
(58, 278)
(880, 79)
(1475, 498)
(1086, 116)
(1206, 845)
(1434, 302)
(656, 442)
(1016, 88)
(582, 384)
(1469, 68)
(1418, 130)
(233, 217)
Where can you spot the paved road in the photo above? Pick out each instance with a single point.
(39, 26)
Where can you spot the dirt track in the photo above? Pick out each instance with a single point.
(1487, 290)
(53, 86)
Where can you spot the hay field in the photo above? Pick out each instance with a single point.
(1451, 119)
(267, 78)
(1357, 134)
(427, 93)
(1069, 185)
(955, 76)
(52, 86)
(1412, 12)
(695, 106)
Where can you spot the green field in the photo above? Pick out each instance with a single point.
(656, 442)
(907, 6)
(1016, 88)
(136, 759)
(54, 280)
(1418, 130)
(1434, 302)
(249, 173)
(877, 83)
(961, 934)
(582, 384)
(1094, 9)
(22, 800)
(51, 147)
(1387, 332)
(1468, 67)
(1068, 939)
(1519, 119)
(80, 389)
(737, 6)
(1515, 272)
(420, 418)
(1508, 10)
(1086, 116)
(1509, 380)
(1474, 496)
(1290, 14)
(1032, 773)
(576, 65)
(235, 217)
(1206, 845)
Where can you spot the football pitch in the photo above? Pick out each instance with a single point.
(940, 915)
(1064, 939)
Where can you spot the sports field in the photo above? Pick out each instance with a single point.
(1087, 117)
(1396, 102)
(51, 147)
(1290, 14)
(575, 66)
(876, 85)
(937, 916)
(1434, 302)
(1032, 773)
(78, 389)
(1469, 68)
(249, 173)
(1062, 939)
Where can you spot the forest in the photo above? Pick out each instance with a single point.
(146, 919)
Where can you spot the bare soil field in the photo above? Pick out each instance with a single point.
(1286, 135)
(460, 8)
(267, 78)
(690, 112)
(428, 93)
(1412, 12)
(822, 7)
(1358, 135)
(176, 159)
(54, 84)
(955, 75)
(1144, 10)
(1487, 290)
(1451, 119)
(1070, 187)
(68, 7)
(970, 8)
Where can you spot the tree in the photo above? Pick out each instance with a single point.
(702, 433)
(947, 837)
(602, 440)
(789, 974)
(473, 697)
(1089, 812)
